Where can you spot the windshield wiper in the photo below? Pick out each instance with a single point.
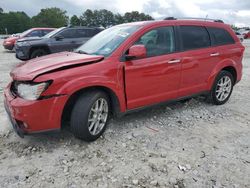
(81, 52)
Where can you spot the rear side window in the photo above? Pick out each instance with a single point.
(220, 36)
(194, 37)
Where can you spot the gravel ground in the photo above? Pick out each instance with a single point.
(186, 144)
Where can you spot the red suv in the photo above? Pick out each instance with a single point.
(10, 42)
(121, 69)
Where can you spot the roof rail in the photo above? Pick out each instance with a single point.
(191, 18)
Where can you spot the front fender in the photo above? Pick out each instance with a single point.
(70, 86)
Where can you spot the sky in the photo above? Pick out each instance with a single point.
(235, 12)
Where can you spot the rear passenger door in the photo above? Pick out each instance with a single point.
(198, 59)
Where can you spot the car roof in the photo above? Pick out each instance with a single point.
(179, 21)
(42, 28)
(83, 27)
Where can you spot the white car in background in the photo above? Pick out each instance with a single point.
(240, 36)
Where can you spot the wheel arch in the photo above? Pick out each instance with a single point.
(44, 47)
(115, 104)
(229, 66)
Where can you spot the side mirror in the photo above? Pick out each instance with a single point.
(59, 37)
(136, 51)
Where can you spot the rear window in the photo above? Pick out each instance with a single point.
(194, 37)
(220, 36)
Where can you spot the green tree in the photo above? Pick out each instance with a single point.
(234, 27)
(104, 18)
(88, 18)
(75, 21)
(135, 16)
(1, 10)
(118, 18)
(14, 22)
(50, 17)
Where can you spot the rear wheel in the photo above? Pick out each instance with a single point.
(90, 115)
(38, 53)
(222, 88)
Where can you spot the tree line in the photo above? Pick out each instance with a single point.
(17, 22)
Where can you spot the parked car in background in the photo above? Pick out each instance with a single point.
(62, 39)
(9, 42)
(247, 35)
(240, 36)
(124, 68)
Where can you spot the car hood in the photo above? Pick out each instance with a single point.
(28, 39)
(33, 68)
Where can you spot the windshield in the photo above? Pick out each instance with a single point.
(50, 34)
(105, 42)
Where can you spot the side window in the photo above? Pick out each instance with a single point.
(158, 41)
(45, 32)
(36, 33)
(81, 33)
(92, 32)
(194, 37)
(220, 36)
(68, 33)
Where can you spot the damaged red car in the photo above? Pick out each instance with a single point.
(122, 69)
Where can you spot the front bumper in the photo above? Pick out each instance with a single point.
(13, 122)
(8, 46)
(22, 53)
(29, 117)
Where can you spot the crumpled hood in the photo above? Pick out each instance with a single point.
(28, 39)
(35, 67)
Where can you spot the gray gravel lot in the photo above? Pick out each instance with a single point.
(186, 144)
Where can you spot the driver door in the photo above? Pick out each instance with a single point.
(156, 78)
(65, 43)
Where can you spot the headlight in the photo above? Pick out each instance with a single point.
(31, 91)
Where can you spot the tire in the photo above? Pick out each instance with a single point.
(88, 123)
(222, 88)
(38, 53)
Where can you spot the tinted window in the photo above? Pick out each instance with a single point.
(220, 36)
(36, 33)
(158, 41)
(68, 33)
(93, 32)
(81, 33)
(45, 32)
(194, 37)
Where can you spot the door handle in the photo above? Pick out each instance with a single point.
(174, 61)
(215, 54)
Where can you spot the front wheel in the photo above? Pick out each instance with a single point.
(90, 115)
(38, 53)
(222, 88)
